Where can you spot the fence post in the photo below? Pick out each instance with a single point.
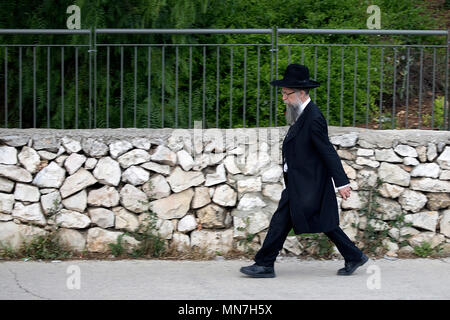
(446, 105)
(271, 76)
(95, 76)
(276, 74)
(92, 48)
(274, 49)
(90, 74)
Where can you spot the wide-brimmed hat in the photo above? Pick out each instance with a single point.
(296, 76)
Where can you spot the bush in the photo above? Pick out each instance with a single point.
(151, 243)
(424, 250)
(45, 247)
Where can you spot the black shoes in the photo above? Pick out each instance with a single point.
(257, 271)
(351, 266)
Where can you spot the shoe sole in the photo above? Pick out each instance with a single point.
(270, 275)
(356, 267)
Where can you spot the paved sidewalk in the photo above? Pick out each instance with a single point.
(221, 279)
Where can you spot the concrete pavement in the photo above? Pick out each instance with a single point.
(221, 279)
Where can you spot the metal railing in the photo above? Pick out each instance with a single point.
(181, 84)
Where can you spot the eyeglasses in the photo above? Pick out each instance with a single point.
(286, 94)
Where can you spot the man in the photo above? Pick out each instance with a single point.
(308, 204)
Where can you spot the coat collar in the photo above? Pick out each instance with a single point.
(303, 105)
(299, 122)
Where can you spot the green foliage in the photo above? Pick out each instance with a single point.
(151, 243)
(196, 87)
(324, 247)
(6, 251)
(399, 223)
(55, 209)
(370, 237)
(117, 248)
(248, 237)
(436, 119)
(424, 250)
(46, 247)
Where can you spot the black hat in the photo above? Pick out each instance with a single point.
(296, 76)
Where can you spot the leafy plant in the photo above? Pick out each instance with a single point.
(248, 237)
(370, 237)
(439, 112)
(55, 208)
(6, 251)
(424, 250)
(46, 247)
(323, 247)
(151, 243)
(117, 248)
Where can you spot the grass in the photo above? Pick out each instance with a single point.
(425, 250)
(43, 247)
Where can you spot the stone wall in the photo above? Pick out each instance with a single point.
(212, 188)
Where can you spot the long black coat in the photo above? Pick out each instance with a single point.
(312, 161)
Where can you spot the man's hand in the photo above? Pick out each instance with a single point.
(345, 192)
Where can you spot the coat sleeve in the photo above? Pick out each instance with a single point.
(319, 134)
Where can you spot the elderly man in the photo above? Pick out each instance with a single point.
(308, 204)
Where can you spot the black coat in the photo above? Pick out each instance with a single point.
(312, 161)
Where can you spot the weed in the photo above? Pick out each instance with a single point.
(321, 244)
(6, 251)
(150, 242)
(370, 237)
(55, 209)
(424, 250)
(117, 248)
(438, 114)
(248, 237)
(46, 247)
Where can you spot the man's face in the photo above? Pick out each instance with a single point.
(290, 96)
(292, 100)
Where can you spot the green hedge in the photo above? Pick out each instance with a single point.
(352, 14)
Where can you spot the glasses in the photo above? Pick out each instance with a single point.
(287, 93)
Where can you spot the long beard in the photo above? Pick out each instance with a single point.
(292, 112)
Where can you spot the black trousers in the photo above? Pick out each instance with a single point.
(279, 228)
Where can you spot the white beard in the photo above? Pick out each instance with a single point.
(292, 112)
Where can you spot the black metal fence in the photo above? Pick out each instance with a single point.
(94, 84)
